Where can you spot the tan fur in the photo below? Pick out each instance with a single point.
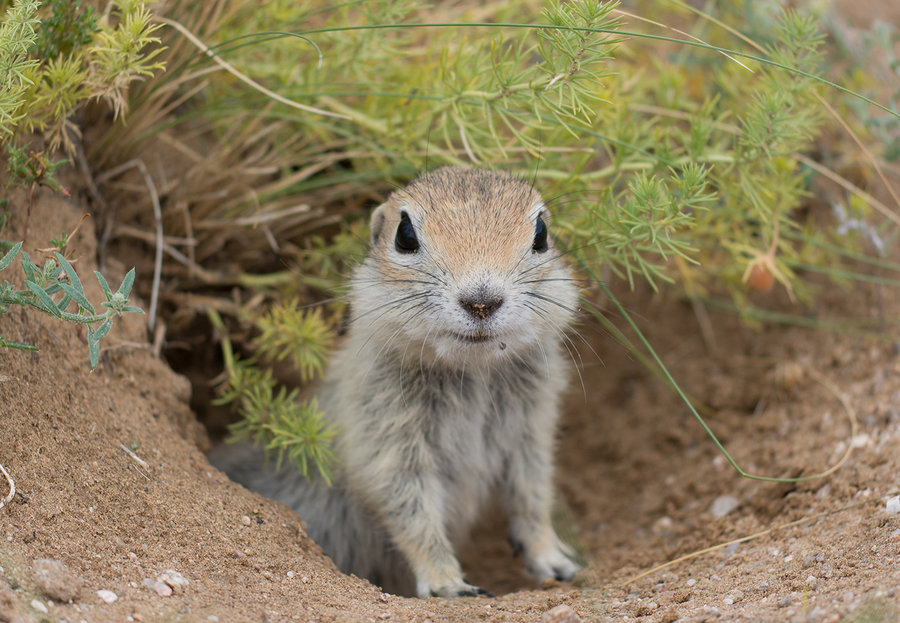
(445, 391)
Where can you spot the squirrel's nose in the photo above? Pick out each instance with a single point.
(481, 307)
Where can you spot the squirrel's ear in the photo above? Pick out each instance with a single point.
(376, 223)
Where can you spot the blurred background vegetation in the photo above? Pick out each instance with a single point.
(730, 154)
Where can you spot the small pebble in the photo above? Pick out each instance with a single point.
(383, 597)
(662, 526)
(39, 606)
(245, 520)
(736, 595)
(212, 617)
(784, 602)
(56, 580)
(162, 589)
(290, 574)
(723, 505)
(691, 581)
(892, 506)
(173, 579)
(562, 613)
(107, 596)
(812, 582)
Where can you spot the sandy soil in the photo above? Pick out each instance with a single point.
(638, 477)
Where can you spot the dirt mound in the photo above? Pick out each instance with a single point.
(113, 484)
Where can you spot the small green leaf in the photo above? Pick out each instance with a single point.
(93, 349)
(103, 285)
(103, 329)
(45, 302)
(10, 256)
(133, 309)
(63, 302)
(71, 274)
(127, 282)
(16, 345)
(29, 267)
(78, 296)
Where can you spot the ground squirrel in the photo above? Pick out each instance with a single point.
(445, 391)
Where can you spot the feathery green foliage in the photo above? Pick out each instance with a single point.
(17, 36)
(273, 417)
(51, 62)
(302, 335)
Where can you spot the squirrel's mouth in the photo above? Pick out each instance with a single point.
(475, 338)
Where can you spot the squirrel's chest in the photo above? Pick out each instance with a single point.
(460, 424)
(471, 422)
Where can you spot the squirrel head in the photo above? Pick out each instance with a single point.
(462, 266)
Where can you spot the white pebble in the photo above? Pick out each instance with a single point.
(39, 606)
(562, 613)
(107, 596)
(735, 595)
(173, 579)
(245, 520)
(663, 526)
(290, 574)
(723, 505)
(691, 581)
(892, 506)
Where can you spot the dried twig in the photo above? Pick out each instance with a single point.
(157, 217)
(243, 78)
(130, 453)
(12, 487)
(751, 537)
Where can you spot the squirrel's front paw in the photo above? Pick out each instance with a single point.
(552, 561)
(460, 589)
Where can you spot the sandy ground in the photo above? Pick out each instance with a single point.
(638, 481)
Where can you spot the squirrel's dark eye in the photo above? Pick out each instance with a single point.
(406, 241)
(540, 236)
